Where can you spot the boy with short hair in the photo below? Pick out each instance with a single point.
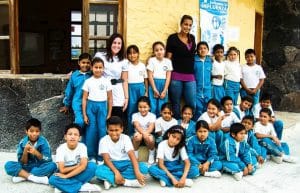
(235, 153)
(265, 102)
(252, 77)
(267, 137)
(243, 108)
(74, 170)
(34, 157)
(229, 116)
(120, 164)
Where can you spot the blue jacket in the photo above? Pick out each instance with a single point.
(237, 112)
(203, 72)
(255, 148)
(41, 145)
(228, 151)
(190, 131)
(73, 92)
(201, 152)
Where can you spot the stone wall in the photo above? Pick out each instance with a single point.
(26, 96)
(281, 53)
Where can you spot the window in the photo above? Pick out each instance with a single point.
(76, 34)
(4, 36)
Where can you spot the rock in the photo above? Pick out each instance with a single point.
(291, 102)
(290, 53)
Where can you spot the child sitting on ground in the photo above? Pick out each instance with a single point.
(34, 157)
(244, 107)
(229, 116)
(187, 122)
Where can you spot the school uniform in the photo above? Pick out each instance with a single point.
(144, 121)
(73, 94)
(201, 152)
(229, 119)
(218, 68)
(239, 113)
(35, 166)
(235, 156)
(189, 128)
(203, 70)
(71, 157)
(136, 89)
(162, 126)
(159, 69)
(118, 153)
(232, 79)
(255, 149)
(96, 111)
(175, 165)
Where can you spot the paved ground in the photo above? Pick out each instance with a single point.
(271, 178)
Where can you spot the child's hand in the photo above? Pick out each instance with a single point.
(125, 104)
(119, 179)
(86, 119)
(260, 159)
(174, 182)
(219, 77)
(250, 168)
(204, 167)
(181, 183)
(276, 140)
(156, 94)
(60, 175)
(163, 94)
(32, 150)
(246, 171)
(64, 110)
(141, 178)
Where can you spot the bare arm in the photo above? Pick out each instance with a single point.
(118, 177)
(124, 76)
(84, 102)
(139, 176)
(109, 103)
(259, 85)
(75, 170)
(152, 84)
(162, 166)
(146, 86)
(169, 55)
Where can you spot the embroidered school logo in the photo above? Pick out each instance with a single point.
(77, 158)
(101, 87)
(141, 73)
(165, 68)
(123, 151)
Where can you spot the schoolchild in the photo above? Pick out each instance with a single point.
(120, 164)
(34, 157)
(252, 77)
(74, 170)
(163, 123)
(233, 74)
(159, 74)
(187, 122)
(217, 73)
(96, 107)
(173, 167)
(137, 82)
(143, 122)
(203, 68)
(203, 153)
(235, 153)
(244, 108)
(229, 116)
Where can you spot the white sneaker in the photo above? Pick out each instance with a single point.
(189, 182)
(100, 162)
(289, 159)
(17, 179)
(87, 187)
(132, 183)
(56, 190)
(38, 179)
(277, 159)
(107, 185)
(238, 176)
(162, 183)
(151, 157)
(93, 160)
(214, 174)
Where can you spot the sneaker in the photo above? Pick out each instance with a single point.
(214, 174)
(93, 160)
(56, 190)
(189, 182)
(17, 179)
(38, 179)
(151, 157)
(107, 185)
(162, 183)
(100, 162)
(132, 183)
(277, 159)
(87, 187)
(238, 176)
(289, 159)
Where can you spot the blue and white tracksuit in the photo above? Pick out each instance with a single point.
(255, 149)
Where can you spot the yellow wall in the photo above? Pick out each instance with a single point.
(153, 20)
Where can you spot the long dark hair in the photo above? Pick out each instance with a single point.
(109, 55)
(176, 129)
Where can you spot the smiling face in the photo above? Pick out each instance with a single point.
(143, 108)
(33, 133)
(250, 58)
(212, 110)
(159, 51)
(133, 56)
(245, 105)
(98, 69)
(116, 46)
(187, 115)
(219, 54)
(72, 138)
(84, 65)
(202, 51)
(114, 131)
(186, 26)
(248, 124)
(232, 55)
(264, 118)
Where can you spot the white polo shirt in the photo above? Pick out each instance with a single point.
(218, 68)
(97, 88)
(144, 121)
(165, 152)
(70, 157)
(252, 74)
(232, 71)
(159, 68)
(137, 73)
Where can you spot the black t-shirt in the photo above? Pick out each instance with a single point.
(182, 57)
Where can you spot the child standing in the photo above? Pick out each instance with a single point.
(229, 116)
(203, 68)
(96, 107)
(243, 108)
(217, 73)
(159, 75)
(74, 170)
(34, 157)
(232, 74)
(143, 122)
(170, 153)
(267, 137)
(163, 123)
(203, 153)
(186, 121)
(235, 153)
(137, 82)
(252, 77)
(73, 92)
(120, 164)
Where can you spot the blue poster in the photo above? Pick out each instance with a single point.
(213, 21)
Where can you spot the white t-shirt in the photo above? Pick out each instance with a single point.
(159, 68)
(97, 88)
(252, 74)
(113, 70)
(137, 73)
(69, 156)
(229, 120)
(163, 126)
(264, 129)
(233, 71)
(144, 121)
(165, 152)
(257, 108)
(218, 68)
(117, 151)
(208, 119)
